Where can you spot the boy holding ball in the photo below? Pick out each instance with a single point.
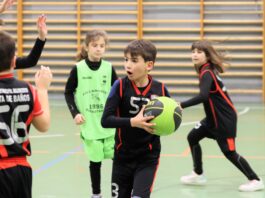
(137, 150)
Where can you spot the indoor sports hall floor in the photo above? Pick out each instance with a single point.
(61, 168)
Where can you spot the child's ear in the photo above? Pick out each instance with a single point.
(150, 65)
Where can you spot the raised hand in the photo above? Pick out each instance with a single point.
(43, 78)
(42, 27)
(5, 5)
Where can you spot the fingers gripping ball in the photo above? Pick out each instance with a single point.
(168, 115)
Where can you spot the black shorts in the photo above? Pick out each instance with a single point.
(200, 131)
(133, 178)
(16, 182)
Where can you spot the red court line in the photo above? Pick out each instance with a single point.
(186, 152)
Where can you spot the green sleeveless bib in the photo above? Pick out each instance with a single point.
(91, 95)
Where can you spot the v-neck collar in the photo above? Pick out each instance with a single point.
(145, 91)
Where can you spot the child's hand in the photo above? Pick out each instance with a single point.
(140, 121)
(5, 5)
(79, 119)
(43, 78)
(42, 27)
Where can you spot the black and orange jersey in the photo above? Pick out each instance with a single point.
(18, 105)
(124, 102)
(221, 115)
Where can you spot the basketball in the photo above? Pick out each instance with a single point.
(168, 115)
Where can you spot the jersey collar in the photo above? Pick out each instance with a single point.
(204, 66)
(9, 75)
(138, 92)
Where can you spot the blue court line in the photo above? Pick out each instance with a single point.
(57, 160)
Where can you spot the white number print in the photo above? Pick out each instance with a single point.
(12, 134)
(134, 104)
(115, 190)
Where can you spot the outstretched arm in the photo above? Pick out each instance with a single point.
(5, 5)
(34, 55)
(205, 87)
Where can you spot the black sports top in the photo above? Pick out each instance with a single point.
(221, 116)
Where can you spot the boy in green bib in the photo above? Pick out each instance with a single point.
(86, 92)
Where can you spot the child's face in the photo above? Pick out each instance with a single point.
(198, 57)
(96, 49)
(136, 68)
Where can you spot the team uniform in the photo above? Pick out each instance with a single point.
(220, 122)
(137, 152)
(19, 104)
(86, 92)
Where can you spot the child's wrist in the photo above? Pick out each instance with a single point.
(42, 89)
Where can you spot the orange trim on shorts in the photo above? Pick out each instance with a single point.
(231, 144)
(13, 161)
(3, 151)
